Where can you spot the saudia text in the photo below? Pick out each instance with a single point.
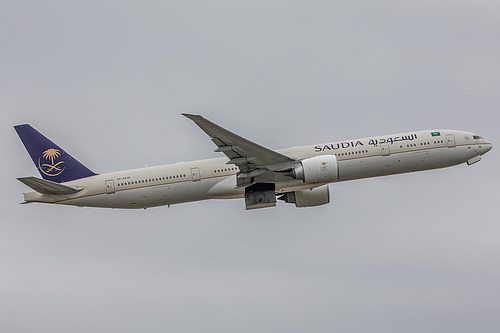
(371, 142)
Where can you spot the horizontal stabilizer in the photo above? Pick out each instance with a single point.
(43, 186)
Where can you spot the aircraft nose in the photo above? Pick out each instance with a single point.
(488, 147)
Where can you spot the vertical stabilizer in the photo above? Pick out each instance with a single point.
(52, 162)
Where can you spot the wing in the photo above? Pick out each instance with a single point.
(251, 158)
(47, 187)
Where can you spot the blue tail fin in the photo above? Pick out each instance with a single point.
(52, 162)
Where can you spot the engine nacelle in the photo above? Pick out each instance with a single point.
(318, 169)
(308, 198)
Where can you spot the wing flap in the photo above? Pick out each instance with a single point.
(43, 186)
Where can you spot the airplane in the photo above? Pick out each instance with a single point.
(299, 175)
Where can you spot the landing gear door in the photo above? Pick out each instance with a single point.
(450, 139)
(110, 186)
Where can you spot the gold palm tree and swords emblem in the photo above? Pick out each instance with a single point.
(55, 167)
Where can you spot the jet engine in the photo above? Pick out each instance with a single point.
(308, 198)
(319, 169)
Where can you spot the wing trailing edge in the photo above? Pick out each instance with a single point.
(245, 154)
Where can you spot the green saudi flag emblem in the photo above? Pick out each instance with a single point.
(436, 134)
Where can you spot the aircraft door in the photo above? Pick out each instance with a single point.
(110, 186)
(384, 149)
(450, 139)
(195, 174)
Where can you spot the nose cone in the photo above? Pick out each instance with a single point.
(486, 147)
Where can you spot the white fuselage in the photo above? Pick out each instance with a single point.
(214, 179)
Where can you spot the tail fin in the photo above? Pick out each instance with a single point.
(52, 162)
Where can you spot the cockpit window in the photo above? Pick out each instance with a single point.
(477, 137)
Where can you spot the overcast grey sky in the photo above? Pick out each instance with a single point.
(107, 80)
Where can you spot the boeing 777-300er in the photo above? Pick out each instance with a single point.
(298, 175)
